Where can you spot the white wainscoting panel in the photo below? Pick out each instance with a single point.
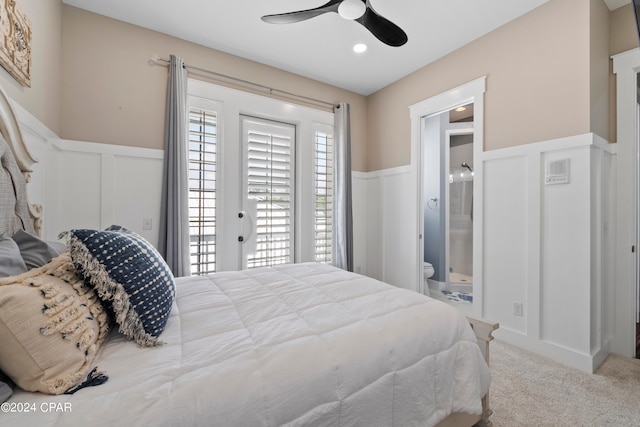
(137, 193)
(398, 207)
(90, 185)
(566, 254)
(384, 214)
(73, 190)
(550, 247)
(506, 235)
(364, 234)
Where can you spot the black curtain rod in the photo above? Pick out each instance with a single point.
(156, 58)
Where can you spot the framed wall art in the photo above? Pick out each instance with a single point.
(15, 42)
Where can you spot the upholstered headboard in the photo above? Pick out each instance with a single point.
(15, 210)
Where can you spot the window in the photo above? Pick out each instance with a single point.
(323, 197)
(202, 190)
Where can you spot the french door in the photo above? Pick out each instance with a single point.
(268, 203)
(260, 181)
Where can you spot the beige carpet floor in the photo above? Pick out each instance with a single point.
(531, 390)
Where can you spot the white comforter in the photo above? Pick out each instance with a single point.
(302, 344)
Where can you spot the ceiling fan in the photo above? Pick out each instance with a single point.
(357, 10)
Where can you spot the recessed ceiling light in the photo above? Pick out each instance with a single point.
(460, 109)
(360, 48)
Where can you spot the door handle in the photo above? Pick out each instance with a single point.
(246, 219)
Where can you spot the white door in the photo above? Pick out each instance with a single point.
(268, 204)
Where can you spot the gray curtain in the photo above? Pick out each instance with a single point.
(174, 215)
(342, 206)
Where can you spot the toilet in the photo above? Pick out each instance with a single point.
(428, 271)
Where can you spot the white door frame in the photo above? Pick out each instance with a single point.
(626, 67)
(472, 91)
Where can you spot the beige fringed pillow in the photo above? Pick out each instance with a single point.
(51, 326)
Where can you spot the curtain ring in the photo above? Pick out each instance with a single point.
(432, 203)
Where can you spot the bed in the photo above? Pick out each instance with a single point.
(297, 345)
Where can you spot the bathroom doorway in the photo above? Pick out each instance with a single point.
(448, 159)
(444, 145)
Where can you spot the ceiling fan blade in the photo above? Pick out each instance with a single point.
(383, 29)
(301, 15)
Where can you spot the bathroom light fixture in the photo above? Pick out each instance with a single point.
(360, 48)
(352, 9)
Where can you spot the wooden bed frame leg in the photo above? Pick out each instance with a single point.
(483, 331)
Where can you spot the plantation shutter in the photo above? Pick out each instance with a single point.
(323, 196)
(202, 190)
(270, 176)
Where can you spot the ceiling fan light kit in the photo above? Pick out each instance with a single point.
(359, 11)
(352, 9)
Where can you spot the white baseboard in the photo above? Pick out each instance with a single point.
(584, 362)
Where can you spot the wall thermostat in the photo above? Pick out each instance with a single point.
(557, 172)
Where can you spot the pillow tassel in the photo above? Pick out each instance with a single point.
(93, 379)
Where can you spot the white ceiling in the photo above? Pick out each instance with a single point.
(614, 4)
(321, 48)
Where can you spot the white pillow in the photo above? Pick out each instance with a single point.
(51, 326)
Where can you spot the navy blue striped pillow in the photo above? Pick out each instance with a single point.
(128, 274)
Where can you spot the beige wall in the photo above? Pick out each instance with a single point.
(42, 99)
(538, 87)
(112, 95)
(600, 68)
(624, 35)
